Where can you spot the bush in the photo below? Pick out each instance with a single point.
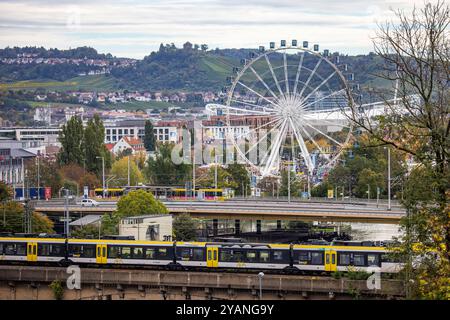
(57, 288)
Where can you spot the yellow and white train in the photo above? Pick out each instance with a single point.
(197, 255)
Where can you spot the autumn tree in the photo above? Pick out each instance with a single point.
(416, 49)
(120, 171)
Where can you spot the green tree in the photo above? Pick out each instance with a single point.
(120, 171)
(240, 178)
(295, 184)
(185, 228)
(71, 138)
(12, 218)
(149, 137)
(5, 192)
(139, 202)
(163, 171)
(94, 137)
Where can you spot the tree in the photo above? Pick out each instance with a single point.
(139, 202)
(416, 50)
(149, 137)
(49, 174)
(204, 47)
(163, 171)
(94, 137)
(295, 184)
(13, 219)
(5, 192)
(120, 171)
(185, 228)
(240, 178)
(71, 138)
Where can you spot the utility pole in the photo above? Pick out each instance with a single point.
(368, 193)
(289, 182)
(128, 171)
(23, 179)
(66, 213)
(103, 174)
(389, 178)
(215, 175)
(38, 179)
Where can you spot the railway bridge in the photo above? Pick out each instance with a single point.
(33, 282)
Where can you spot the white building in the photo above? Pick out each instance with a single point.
(147, 227)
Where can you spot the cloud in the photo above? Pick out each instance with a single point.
(133, 27)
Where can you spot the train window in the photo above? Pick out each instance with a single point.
(82, 251)
(197, 254)
(209, 255)
(358, 260)
(47, 249)
(317, 258)
(113, 252)
(88, 251)
(16, 249)
(344, 259)
(225, 255)
(126, 253)
(138, 253)
(185, 253)
(303, 256)
(373, 259)
(280, 256)
(264, 256)
(162, 253)
(1, 248)
(251, 256)
(237, 256)
(149, 253)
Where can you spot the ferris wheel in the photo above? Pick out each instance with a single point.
(289, 100)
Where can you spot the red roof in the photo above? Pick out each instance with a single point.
(109, 146)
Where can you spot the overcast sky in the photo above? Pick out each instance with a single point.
(134, 28)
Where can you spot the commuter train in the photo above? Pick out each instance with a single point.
(316, 258)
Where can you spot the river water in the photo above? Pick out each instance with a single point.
(371, 231)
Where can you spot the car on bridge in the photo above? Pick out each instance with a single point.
(89, 203)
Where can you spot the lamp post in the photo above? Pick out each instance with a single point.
(103, 173)
(389, 176)
(260, 276)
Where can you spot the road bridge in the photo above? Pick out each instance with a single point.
(32, 282)
(252, 210)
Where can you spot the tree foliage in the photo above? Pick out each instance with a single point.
(71, 138)
(161, 170)
(185, 227)
(416, 49)
(139, 202)
(149, 137)
(120, 171)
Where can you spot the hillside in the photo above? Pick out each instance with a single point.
(169, 69)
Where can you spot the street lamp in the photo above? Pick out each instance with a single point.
(260, 276)
(103, 173)
(389, 176)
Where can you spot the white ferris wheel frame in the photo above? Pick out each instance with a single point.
(281, 137)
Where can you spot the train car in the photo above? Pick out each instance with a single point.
(197, 255)
(110, 192)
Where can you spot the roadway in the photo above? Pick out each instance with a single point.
(251, 210)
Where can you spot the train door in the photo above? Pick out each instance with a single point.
(101, 253)
(32, 251)
(330, 260)
(212, 257)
